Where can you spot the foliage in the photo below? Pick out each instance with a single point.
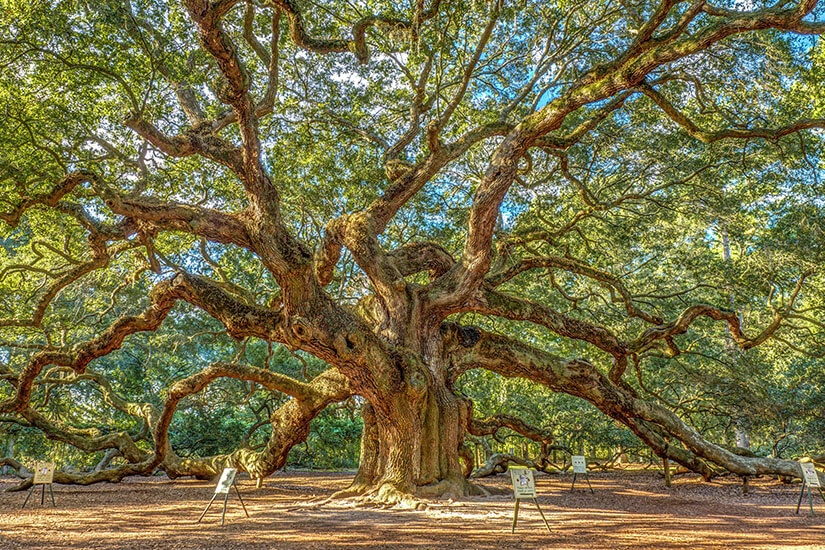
(225, 222)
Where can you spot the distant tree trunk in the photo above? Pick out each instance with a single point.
(9, 452)
(741, 436)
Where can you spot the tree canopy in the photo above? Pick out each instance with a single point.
(223, 219)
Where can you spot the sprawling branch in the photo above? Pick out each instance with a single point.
(50, 199)
(492, 424)
(741, 133)
(290, 422)
(195, 141)
(651, 422)
(602, 82)
(100, 258)
(357, 44)
(575, 266)
(241, 320)
(161, 301)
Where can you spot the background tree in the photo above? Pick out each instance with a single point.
(196, 193)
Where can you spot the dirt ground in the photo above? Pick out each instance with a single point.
(627, 510)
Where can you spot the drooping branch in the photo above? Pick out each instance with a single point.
(653, 423)
(727, 133)
(19, 468)
(290, 422)
(575, 266)
(492, 424)
(87, 440)
(240, 319)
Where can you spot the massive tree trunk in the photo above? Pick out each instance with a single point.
(414, 427)
(414, 449)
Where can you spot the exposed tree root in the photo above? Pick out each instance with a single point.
(386, 495)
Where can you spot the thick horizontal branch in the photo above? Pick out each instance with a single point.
(270, 380)
(519, 309)
(211, 224)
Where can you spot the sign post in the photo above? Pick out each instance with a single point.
(580, 467)
(809, 479)
(43, 475)
(524, 486)
(226, 483)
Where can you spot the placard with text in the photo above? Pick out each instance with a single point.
(225, 483)
(809, 474)
(524, 484)
(43, 473)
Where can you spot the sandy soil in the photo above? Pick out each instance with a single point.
(628, 510)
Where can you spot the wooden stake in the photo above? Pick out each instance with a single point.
(515, 515)
(810, 500)
(666, 463)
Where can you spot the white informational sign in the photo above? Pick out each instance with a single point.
(579, 465)
(43, 473)
(225, 483)
(524, 485)
(809, 474)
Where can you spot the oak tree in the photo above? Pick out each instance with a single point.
(409, 192)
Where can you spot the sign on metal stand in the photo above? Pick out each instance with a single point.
(809, 479)
(524, 486)
(225, 484)
(580, 467)
(43, 475)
